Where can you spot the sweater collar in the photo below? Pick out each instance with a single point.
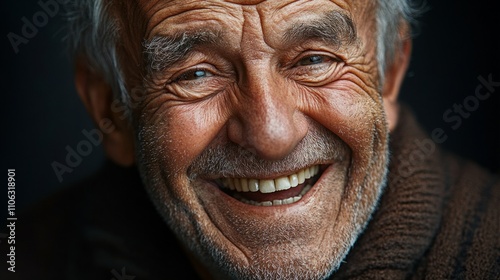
(408, 213)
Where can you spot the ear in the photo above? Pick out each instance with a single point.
(98, 98)
(394, 77)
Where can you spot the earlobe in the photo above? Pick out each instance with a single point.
(394, 77)
(97, 97)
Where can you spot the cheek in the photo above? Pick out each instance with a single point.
(180, 133)
(355, 116)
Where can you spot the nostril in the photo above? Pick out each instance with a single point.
(235, 131)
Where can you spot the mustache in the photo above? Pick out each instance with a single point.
(319, 146)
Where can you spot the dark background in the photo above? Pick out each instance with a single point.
(457, 41)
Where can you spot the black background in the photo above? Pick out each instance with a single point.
(457, 41)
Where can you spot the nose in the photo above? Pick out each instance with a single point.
(266, 121)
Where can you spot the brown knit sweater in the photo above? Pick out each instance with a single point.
(439, 218)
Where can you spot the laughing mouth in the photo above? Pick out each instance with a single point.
(271, 192)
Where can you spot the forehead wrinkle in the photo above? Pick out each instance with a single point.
(253, 44)
(172, 14)
(246, 2)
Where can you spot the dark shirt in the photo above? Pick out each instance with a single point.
(103, 228)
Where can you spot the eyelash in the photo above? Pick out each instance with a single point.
(184, 76)
(324, 58)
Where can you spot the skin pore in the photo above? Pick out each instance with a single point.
(240, 95)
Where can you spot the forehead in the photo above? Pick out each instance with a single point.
(162, 17)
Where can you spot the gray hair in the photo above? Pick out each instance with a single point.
(390, 15)
(93, 32)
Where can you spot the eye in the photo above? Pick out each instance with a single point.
(314, 68)
(313, 60)
(195, 74)
(197, 82)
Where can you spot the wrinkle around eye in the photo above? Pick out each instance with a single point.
(193, 90)
(197, 81)
(317, 74)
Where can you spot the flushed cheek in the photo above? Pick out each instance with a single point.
(168, 143)
(188, 132)
(352, 106)
(355, 116)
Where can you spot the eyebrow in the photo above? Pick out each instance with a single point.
(160, 52)
(334, 28)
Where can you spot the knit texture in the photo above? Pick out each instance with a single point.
(439, 217)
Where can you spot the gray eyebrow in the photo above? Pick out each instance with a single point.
(334, 28)
(160, 52)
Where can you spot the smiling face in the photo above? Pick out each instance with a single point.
(261, 132)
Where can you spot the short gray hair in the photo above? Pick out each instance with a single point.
(93, 32)
(390, 15)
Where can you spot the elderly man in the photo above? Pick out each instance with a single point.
(260, 140)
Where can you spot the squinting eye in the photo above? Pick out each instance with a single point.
(194, 75)
(313, 59)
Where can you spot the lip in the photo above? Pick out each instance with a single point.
(236, 205)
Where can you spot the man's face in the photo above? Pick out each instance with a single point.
(261, 136)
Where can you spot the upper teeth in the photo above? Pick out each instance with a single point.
(270, 185)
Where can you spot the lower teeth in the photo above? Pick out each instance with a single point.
(285, 201)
